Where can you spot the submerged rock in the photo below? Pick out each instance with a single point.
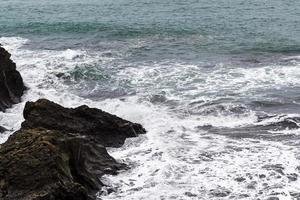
(108, 130)
(11, 82)
(59, 153)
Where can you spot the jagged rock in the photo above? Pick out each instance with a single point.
(108, 130)
(11, 82)
(40, 164)
(59, 153)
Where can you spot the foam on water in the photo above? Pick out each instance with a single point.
(193, 80)
(176, 159)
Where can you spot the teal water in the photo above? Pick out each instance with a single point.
(215, 83)
(199, 25)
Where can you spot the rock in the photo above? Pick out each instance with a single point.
(189, 194)
(2, 129)
(108, 130)
(11, 82)
(240, 179)
(262, 176)
(40, 164)
(59, 153)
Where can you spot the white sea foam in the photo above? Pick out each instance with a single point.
(192, 80)
(12, 43)
(175, 159)
(177, 162)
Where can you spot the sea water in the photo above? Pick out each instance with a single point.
(215, 83)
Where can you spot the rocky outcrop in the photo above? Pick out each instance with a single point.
(59, 153)
(11, 82)
(106, 129)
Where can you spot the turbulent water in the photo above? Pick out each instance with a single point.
(216, 83)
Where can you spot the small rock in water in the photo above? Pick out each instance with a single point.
(2, 129)
(189, 194)
(240, 179)
(262, 176)
(59, 75)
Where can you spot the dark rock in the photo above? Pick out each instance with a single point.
(2, 129)
(59, 153)
(240, 179)
(262, 176)
(11, 82)
(45, 164)
(189, 194)
(108, 130)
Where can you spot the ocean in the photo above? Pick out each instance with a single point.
(214, 82)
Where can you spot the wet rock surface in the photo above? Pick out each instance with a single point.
(11, 82)
(45, 161)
